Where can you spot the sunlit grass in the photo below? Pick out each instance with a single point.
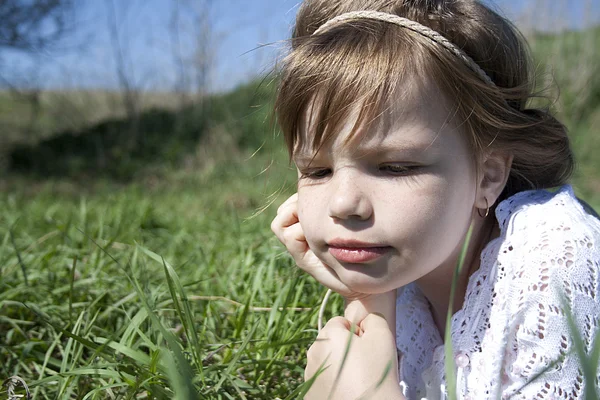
(157, 292)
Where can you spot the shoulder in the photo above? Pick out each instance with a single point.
(548, 266)
(540, 210)
(549, 258)
(548, 239)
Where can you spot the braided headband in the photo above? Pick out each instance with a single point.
(413, 26)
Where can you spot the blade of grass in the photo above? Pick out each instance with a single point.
(303, 389)
(373, 390)
(344, 359)
(448, 349)
(234, 360)
(71, 282)
(184, 311)
(19, 258)
(182, 376)
(589, 370)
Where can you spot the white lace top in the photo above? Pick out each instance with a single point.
(512, 324)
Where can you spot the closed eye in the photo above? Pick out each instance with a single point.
(316, 173)
(398, 169)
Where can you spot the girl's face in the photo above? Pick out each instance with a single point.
(394, 203)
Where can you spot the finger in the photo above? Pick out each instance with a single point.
(288, 208)
(292, 199)
(333, 328)
(375, 323)
(282, 221)
(287, 215)
(355, 311)
(289, 211)
(295, 241)
(339, 324)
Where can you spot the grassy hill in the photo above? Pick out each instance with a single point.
(30, 116)
(120, 147)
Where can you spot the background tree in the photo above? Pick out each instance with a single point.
(31, 26)
(34, 25)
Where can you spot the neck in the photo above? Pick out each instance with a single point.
(435, 285)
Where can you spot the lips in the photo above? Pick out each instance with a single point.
(351, 251)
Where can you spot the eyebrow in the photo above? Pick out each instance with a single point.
(304, 158)
(405, 147)
(383, 149)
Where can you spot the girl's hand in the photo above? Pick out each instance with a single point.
(370, 361)
(286, 227)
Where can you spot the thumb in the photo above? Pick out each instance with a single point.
(375, 323)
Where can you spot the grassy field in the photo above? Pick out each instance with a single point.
(103, 287)
(172, 284)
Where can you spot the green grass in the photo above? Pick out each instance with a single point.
(170, 287)
(104, 292)
(568, 66)
(568, 71)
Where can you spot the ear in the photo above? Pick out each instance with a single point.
(494, 172)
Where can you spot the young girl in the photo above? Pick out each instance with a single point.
(409, 123)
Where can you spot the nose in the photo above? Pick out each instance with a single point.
(348, 199)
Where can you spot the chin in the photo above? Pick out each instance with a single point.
(367, 284)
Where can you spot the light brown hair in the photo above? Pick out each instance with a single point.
(363, 62)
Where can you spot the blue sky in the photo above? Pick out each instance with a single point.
(238, 30)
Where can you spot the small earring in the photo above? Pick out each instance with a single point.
(487, 211)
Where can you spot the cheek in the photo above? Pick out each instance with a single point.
(308, 207)
(303, 207)
(433, 215)
(450, 217)
(456, 196)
